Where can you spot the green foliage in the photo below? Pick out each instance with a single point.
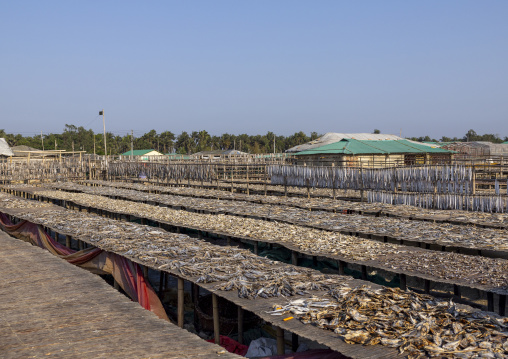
(185, 143)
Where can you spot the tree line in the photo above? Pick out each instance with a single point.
(80, 139)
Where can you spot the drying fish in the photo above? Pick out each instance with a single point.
(386, 316)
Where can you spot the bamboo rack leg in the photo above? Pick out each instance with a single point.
(342, 267)
(240, 325)
(403, 281)
(490, 301)
(216, 326)
(180, 302)
(294, 258)
(427, 286)
(280, 341)
(502, 305)
(294, 342)
(161, 283)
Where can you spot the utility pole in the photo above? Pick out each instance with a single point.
(42, 139)
(94, 146)
(104, 125)
(274, 143)
(132, 144)
(55, 144)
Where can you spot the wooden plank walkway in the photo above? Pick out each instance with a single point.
(52, 309)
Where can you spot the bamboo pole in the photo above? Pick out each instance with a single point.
(216, 324)
(180, 302)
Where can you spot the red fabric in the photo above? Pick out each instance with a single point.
(231, 345)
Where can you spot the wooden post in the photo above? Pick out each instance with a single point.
(266, 177)
(427, 286)
(247, 169)
(294, 258)
(280, 341)
(342, 267)
(256, 245)
(364, 272)
(456, 291)
(490, 301)
(180, 302)
(232, 184)
(161, 283)
(216, 324)
(502, 304)
(294, 342)
(403, 280)
(240, 325)
(68, 241)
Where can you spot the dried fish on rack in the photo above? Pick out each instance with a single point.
(380, 312)
(327, 204)
(424, 179)
(458, 268)
(436, 233)
(418, 325)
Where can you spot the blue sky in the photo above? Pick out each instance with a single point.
(424, 68)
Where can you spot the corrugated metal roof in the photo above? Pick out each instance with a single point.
(177, 156)
(5, 150)
(332, 137)
(141, 153)
(220, 153)
(356, 147)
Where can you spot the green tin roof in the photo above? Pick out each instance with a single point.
(358, 147)
(177, 156)
(137, 152)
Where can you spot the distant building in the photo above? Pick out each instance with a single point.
(373, 153)
(5, 150)
(479, 149)
(23, 151)
(142, 155)
(332, 137)
(216, 154)
(177, 156)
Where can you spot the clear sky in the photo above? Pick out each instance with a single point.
(421, 67)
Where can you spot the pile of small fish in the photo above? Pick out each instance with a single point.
(232, 268)
(326, 204)
(438, 233)
(306, 239)
(358, 313)
(461, 269)
(418, 325)
(16, 202)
